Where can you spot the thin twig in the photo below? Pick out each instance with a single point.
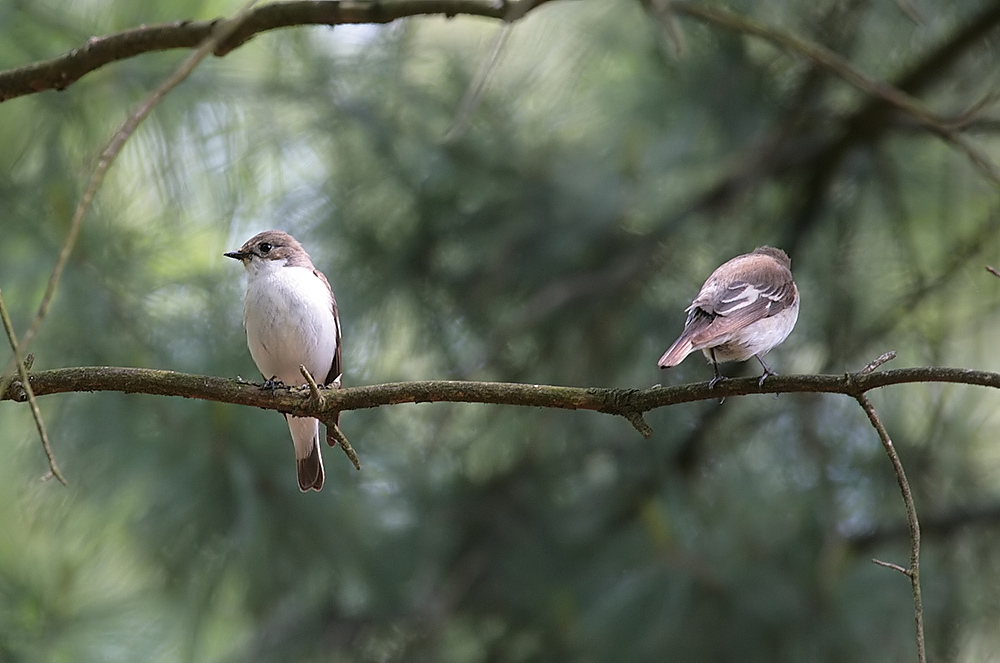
(108, 156)
(878, 361)
(344, 443)
(474, 93)
(894, 567)
(992, 271)
(662, 11)
(913, 525)
(332, 428)
(22, 368)
(316, 394)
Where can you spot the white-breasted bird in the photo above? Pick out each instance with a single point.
(291, 318)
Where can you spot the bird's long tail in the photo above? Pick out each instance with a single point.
(308, 458)
(310, 470)
(674, 355)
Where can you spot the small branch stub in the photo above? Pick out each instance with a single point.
(895, 567)
(315, 395)
(635, 418)
(883, 358)
(344, 443)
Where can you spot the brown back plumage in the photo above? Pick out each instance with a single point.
(742, 291)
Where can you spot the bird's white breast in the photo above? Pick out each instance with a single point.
(289, 321)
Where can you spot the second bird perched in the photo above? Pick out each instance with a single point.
(745, 308)
(291, 318)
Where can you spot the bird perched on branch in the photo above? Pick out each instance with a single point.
(746, 307)
(291, 319)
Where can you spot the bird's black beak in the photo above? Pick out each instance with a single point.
(235, 255)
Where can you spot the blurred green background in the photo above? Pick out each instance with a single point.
(557, 241)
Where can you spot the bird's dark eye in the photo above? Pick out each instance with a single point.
(265, 247)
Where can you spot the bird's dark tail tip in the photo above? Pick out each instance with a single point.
(310, 470)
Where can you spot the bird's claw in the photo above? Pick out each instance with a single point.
(272, 383)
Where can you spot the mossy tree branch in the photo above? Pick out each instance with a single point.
(626, 403)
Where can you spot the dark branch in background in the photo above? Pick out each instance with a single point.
(888, 96)
(941, 524)
(784, 151)
(61, 72)
(875, 117)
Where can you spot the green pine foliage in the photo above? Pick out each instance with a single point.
(557, 241)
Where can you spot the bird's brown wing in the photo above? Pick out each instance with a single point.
(712, 321)
(335, 377)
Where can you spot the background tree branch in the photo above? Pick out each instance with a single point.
(60, 72)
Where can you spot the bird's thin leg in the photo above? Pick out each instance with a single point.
(767, 371)
(719, 377)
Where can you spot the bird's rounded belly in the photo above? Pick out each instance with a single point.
(290, 336)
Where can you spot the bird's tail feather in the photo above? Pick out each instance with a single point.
(681, 348)
(310, 469)
(309, 461)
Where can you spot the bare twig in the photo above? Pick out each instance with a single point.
(470, 100)
(992, 271)
(332, 428)
(878, 361)
(344, 443)
(913, 525)
(472, 96)
(22, 369)
(894, 567)
(314, 391)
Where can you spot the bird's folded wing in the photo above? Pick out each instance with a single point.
(336, 375)
(715, 319)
